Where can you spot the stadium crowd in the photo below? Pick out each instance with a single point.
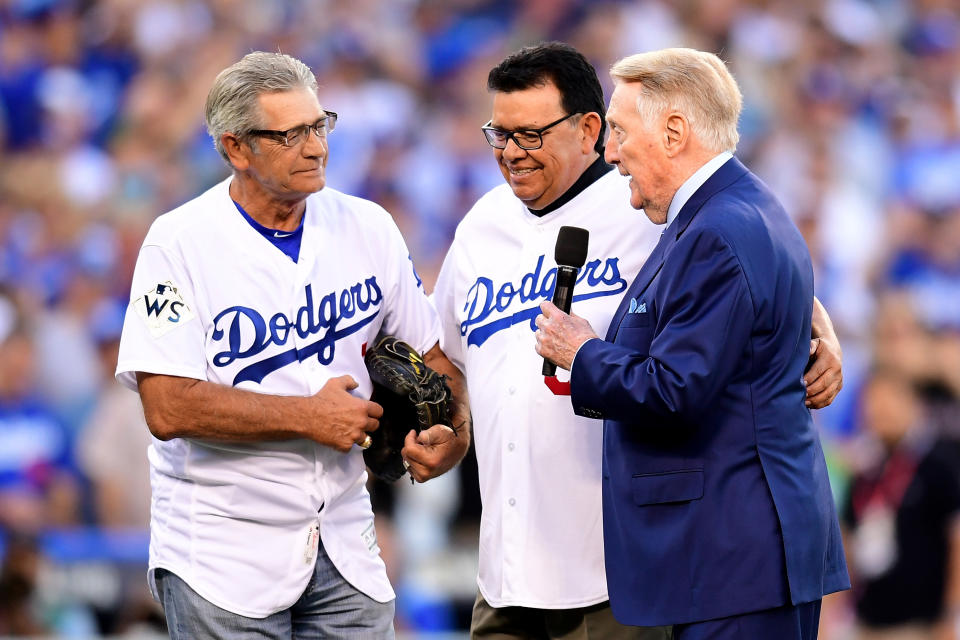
(852, 116)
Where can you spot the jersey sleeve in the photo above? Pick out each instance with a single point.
(409, 315)
(161, 331)
(444, 300)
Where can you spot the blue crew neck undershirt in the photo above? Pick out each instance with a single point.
(287, 241)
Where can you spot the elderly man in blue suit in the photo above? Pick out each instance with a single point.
(717, 511)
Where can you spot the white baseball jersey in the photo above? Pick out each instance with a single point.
(541, 536)
(214, 300)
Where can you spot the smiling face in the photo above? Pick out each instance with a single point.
(288, 173)
(540, 176)
(639, 151)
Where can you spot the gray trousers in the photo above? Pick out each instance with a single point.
(330, 607)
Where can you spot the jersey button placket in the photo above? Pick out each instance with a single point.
(513, 474)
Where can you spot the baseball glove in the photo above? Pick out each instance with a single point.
(413, 396)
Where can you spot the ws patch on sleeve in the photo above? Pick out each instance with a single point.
(162, 309)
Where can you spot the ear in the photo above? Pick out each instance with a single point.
(590, 125)
(676, 133)
(237, 152)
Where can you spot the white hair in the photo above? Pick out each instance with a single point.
(232, 104)
(695, 83)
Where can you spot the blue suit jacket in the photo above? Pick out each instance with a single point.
(716, 500)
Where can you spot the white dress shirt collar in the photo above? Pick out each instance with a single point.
(693, 183)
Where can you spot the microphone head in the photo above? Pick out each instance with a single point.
(571, 249)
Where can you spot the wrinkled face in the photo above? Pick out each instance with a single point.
(289, 172)
(637, 150)
(539, 176)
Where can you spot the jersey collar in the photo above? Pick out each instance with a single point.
(594, 172)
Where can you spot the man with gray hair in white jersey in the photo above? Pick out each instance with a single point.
(251, 309)
(541, 540)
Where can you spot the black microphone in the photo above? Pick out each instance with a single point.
(570, 254)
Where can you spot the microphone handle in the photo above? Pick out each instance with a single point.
(562, 298)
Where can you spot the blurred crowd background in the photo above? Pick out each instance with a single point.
(852, 116)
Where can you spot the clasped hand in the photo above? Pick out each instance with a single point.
(432, 452)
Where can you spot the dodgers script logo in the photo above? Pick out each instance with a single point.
(236, 322)
(484, 298)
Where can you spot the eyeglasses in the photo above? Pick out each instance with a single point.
(296, 135)
(527, 139)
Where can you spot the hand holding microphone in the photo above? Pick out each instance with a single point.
(560, 335)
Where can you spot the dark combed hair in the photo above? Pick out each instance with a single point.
(557, 62)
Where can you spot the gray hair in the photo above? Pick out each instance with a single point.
(232, 104)
(695, 83)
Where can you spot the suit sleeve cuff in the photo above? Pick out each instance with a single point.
(579, 385)
(579, 349)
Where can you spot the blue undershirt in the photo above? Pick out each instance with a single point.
(287, 241)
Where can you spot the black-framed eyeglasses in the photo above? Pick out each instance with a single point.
(294, 136)
(527, 139)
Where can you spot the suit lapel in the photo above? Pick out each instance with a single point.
(722, 178)
(727, 174)
(644, 277)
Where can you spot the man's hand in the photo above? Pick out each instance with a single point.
(824, 376)
(342, 419)
(559, 335)
(433, 451)
(176, 407)
(436, 450)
